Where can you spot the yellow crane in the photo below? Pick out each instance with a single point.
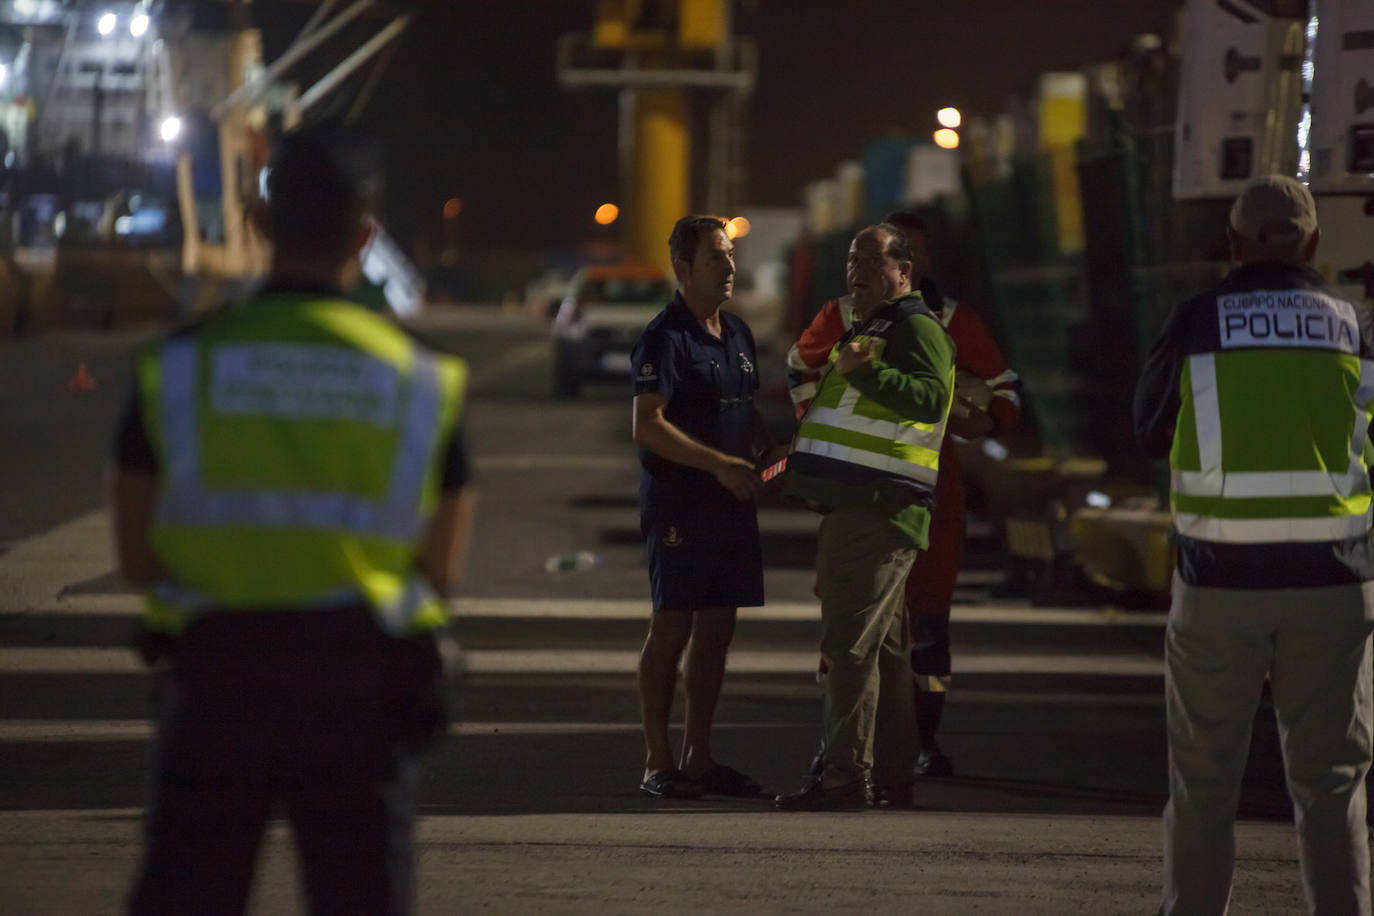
(657, 53)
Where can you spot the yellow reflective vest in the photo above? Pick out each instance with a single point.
(299, 443)
(1271, 443)
(844, 424)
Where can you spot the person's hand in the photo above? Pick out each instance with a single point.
(853, 355)
(971, 424)
(739, 477)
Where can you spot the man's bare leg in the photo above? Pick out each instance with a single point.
(712, 630)
(658, 661)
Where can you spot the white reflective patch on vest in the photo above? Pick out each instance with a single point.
(189, 500)
(303, 381)
(1287, 318)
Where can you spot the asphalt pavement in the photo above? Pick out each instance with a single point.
(1055, 723)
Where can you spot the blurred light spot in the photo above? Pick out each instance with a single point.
(452, 207)
(949, 117)
(737, 228)
(1098, 500)
(946, 138)
(138, 25)
(995, 450)
(105, 24)
(170, 129)
(607, 214)
(123, 224)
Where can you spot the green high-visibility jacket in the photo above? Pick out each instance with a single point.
(873, 437)
(299, 443)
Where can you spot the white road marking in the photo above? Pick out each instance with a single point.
(487, 463)
(87, 660)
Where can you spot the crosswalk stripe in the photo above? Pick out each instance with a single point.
(63, 731)
(87, 660)
(631, 609)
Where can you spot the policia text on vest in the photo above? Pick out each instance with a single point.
(1290, 318)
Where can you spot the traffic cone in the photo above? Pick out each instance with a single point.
(82, 381)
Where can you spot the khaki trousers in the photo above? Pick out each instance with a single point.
(1313, 643)
(870, 725)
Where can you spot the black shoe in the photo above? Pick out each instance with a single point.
(933, 764)
(893, 796)
(815, 797)
(671, 784)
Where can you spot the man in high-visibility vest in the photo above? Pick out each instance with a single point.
(1260, 392)
(866, 454)
(987, 402)
(292, 498)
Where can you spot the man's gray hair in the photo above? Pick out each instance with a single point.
(897, 247)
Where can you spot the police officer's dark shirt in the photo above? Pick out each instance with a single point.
(709, 385)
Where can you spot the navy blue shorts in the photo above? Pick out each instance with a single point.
(703, 558)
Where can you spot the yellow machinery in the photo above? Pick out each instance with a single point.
(657, 55)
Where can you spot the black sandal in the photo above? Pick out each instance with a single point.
(671, 784)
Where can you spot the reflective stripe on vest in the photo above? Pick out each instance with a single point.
(170, 606)
(1299, 505)
(187, 499)
(887, 443)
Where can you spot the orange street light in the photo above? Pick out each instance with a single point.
(452, 207)
(737, 228)
(606, 214)
(946, 138)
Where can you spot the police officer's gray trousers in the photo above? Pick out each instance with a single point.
(1313, 644)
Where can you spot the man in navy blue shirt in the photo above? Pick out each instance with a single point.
(698, 431)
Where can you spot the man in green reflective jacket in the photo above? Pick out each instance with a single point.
(867, 456)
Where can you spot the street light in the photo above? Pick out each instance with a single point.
(949, 117)
(138, 25)
(945, 138)
(607, 214)
(105, 24)
(170, 129)
(737, 228)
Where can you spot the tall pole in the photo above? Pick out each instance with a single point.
(655, 157)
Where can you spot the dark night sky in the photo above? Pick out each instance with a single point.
(469, 105)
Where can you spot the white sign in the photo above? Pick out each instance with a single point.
(1287, 318)
(311, 381)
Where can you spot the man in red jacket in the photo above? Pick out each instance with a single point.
(987, 403)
